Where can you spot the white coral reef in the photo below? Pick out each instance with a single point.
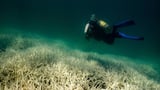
(30, 64)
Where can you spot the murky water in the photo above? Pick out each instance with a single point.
(65, 20)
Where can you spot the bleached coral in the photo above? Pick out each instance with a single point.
(54, 66)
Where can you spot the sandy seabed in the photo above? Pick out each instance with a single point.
(29, 63)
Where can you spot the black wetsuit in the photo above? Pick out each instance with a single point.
(99, 33)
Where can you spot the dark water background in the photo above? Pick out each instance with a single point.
(65, 20)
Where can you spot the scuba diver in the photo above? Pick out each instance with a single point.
(101, 31)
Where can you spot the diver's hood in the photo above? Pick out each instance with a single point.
(93, 17)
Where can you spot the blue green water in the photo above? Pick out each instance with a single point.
(65, 20)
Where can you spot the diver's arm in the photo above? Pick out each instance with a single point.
(122, 35)
(87, 37)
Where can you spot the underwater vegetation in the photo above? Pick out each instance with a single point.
(33, 64)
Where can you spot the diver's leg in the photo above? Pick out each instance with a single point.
(122, 35)
(124, 23)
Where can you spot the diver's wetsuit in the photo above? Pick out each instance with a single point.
(99, 33)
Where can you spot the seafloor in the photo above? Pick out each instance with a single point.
(31, 63)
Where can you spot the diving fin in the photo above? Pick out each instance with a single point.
(124, 23)
(122, 35)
